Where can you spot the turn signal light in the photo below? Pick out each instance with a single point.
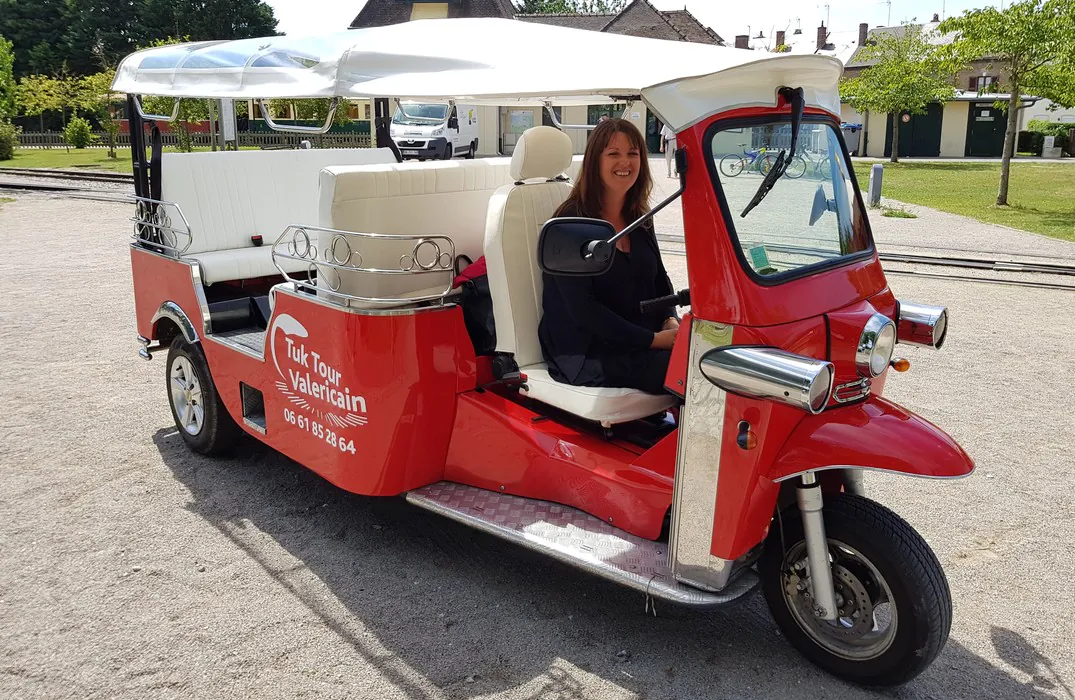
(746, 438)
(901, 364)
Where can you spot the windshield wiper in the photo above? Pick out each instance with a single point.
(795, 98)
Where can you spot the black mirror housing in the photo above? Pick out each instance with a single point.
(453, 123)
(576, 246)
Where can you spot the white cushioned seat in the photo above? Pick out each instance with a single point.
(445, 198)
(516, 214)
(227, 197)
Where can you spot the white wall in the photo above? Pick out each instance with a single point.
(1040, 110)
(488, 134)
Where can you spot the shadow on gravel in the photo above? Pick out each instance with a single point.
(475, 615)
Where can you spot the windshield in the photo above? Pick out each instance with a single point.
(415, 114)
(813, 214)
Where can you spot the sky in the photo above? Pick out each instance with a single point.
(727, 19)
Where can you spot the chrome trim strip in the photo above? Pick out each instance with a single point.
(872, 469)
(576, 538)
(298, 128)
(251, 424)
(694, 497)
(175, 313)
(199, 293)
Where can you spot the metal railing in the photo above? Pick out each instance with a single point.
(153, 227)
(55, 139)
(427, 255)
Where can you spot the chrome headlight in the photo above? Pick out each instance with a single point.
(876, 344)
(769, 373)
(923, 325)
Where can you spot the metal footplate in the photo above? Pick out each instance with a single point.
(575, 538)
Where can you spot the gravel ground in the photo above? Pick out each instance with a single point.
(132, 568)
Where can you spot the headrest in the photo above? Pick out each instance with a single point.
(542, 152)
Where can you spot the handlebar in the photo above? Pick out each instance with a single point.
(680, 298)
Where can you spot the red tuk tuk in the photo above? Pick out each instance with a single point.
(304, 297)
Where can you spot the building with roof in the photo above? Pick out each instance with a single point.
(500, 128)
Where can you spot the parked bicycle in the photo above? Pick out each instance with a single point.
(759, 159)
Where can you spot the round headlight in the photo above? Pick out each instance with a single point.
(876, 345)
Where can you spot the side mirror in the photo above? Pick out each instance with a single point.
(821, 205)
(576, 246)
(453, 122)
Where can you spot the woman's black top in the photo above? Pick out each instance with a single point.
(588, 319)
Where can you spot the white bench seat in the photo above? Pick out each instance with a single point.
(601, 404)
(228, 197)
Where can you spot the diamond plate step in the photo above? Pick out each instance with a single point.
(575, 538)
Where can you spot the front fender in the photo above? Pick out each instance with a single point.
(874, 434)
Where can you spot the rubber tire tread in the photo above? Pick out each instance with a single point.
(219, 434)
(911, 566)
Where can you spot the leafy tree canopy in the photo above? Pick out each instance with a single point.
(7, 80)
(548, 7)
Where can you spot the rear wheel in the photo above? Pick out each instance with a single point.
(895, 608)
(200, 416)
(473, 151)
(731, 165)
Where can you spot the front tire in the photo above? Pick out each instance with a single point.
(895, 605)
(200, 416)
(448, 152)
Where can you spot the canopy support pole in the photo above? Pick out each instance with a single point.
(382, 130)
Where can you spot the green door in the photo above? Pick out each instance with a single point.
(985, 131)
(920, 134)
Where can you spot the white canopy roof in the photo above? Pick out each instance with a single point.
(490, 61)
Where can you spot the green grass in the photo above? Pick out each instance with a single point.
(88, 158)
(1041, 196)
(898, 213)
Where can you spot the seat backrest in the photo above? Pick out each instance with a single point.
(516, 214)
(227, 197)
(440, 198)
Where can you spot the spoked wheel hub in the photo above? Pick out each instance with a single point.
(186, 393)
(866, 624)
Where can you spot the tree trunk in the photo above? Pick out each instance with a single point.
(1009, 144)
(895, 157)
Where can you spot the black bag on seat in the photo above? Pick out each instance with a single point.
(477, 304)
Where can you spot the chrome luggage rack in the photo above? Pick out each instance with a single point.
(429, 254)
(153, 227)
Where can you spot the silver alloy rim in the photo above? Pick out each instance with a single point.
(868, 617)
(186, 393)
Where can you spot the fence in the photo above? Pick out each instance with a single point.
(55, 139)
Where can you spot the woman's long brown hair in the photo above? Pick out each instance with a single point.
(586, 195)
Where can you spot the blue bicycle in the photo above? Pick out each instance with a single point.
(733, 164)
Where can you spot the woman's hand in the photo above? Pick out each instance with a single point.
(671, 324)
(664, 340)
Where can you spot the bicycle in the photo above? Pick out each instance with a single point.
(733, 164)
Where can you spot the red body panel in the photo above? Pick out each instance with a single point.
(675, 380)
(501, 445)
(875, 434)
(158, 279)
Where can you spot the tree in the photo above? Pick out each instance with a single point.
(548, 7)
(7, 80)
(35, 29)
(202, 20)
(907, 75)
(1032, 40)
(38, 94)
(99, 98)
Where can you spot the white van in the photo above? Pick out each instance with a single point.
(435, 130)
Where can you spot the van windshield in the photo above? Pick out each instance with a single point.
(418, 114)
(812, 216)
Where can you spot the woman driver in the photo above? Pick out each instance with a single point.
(592, 331)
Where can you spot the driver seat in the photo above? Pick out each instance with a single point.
(515, 216)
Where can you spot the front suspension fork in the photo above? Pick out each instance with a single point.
(809, 498)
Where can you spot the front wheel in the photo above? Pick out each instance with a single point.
(895, 608)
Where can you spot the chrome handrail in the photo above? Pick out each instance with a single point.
(152, 215)
(298, 128)
(295, 243)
